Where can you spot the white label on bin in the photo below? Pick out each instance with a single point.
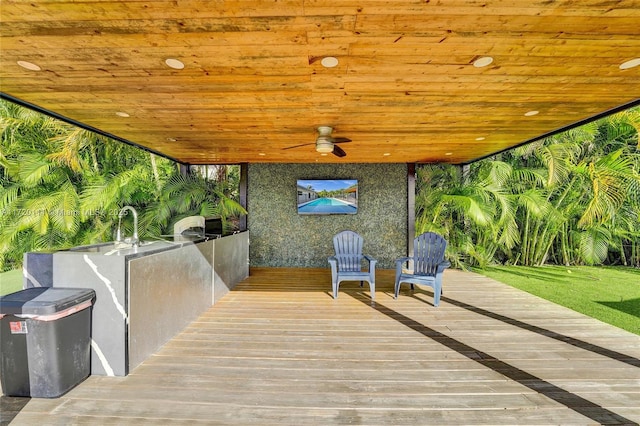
(18, 327)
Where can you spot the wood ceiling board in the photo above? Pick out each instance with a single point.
(253, 82)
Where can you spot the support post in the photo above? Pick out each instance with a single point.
(465, 171)
(242, 225)
(411, 206)
(184, 169)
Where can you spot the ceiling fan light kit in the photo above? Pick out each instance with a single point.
(323, 145)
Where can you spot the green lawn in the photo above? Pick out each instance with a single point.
(10, 282)
(610, 294)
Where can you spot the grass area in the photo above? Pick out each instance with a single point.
(609, 294)
(10, 282)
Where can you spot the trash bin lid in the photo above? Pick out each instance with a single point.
(43, 300)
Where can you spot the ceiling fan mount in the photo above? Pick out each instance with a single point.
(325, 130)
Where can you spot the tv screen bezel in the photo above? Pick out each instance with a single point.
(345, 183)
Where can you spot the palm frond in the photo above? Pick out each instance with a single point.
(535, 203)
(499, 173)
(472, 208)
(103, 194)
(594, 245)
(557, 158)
(34, 168)
(610, 177)
(8, 196)
(67, 218)
(529, 177)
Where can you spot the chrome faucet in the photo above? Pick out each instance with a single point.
(134, 239)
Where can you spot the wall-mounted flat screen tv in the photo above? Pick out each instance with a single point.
(327, 196)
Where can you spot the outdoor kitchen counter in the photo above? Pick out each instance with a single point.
(145, 295)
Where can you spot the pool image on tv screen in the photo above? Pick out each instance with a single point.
(327, 196)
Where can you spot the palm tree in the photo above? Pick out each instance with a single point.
(62, 186)
(194, 195)
(571, 198)
(37, 197)
(474, 214)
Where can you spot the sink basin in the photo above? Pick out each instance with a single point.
(119, 245)
(117, 248)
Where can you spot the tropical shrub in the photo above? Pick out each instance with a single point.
(571, 199)
(62, 186)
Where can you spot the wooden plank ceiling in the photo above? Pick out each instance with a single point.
(405, 88)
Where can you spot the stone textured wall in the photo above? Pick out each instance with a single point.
(279, 237)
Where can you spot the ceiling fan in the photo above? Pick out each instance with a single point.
(325, 143)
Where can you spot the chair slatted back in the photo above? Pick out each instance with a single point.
(348, 248)
(428, 252)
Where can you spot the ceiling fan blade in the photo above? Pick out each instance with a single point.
(340, 140)
(339, 152)
(298, 146)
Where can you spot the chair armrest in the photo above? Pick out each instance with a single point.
(372, 262)
(400, 264)
(333, 262)
(401, 260)
(443, 265)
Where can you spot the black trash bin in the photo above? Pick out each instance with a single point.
(45, 340)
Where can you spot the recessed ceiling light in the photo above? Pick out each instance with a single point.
(482, 62)
(122, 114)
(481, 138)
(448, 153)
(329, 61)
(530, 113)
(630, 64)
(174, 63)
(29, 65)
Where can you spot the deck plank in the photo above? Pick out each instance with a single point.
(278, 349)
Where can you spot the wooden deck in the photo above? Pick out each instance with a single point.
(280, 350)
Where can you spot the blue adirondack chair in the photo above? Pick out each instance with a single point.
(428, 264)
(346, 264)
